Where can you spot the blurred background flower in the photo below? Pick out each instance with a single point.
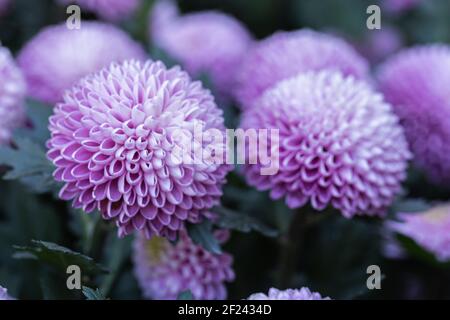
(57, 57)
(415, 82)
(269, 45)
(400, 6)
(113, 10)
(12, 96)
(165, 270)
(4, 294)
(429, 229)
(207, 42)
(381, 43)
(284, 55)
(288, 294)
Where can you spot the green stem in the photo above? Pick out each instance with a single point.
(292, 244)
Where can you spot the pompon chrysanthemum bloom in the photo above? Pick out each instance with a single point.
(416, 82)
(204, 42)
(430, 229)
(339, 144)
(57, 57)
(164, 270)
(112, 10)
(12, 95)
(288, 294)
(4, 294)
(116, 141)
(285, 54)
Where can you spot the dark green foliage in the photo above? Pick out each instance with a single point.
(58, 257)
(202, 234)
(272, 246)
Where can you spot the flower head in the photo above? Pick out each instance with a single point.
(285, 54)
(430, 230)
(288, 294)
(58, 57)
(339, 144)
(12, 95)
(112, 10)
(204, 42)
(4, 294)
(164, 270)
(415, 82)
(116, 141)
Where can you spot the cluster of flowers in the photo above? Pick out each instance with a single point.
(343, 143)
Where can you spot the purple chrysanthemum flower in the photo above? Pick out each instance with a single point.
(4, 294)
(58, 57)
(285, 54)
(112, 10)
(288, 294)
(416, 82)
(339, 144)
(12, 95)
(164, 270)
(203, 42)
(116, 141)
(430, 230)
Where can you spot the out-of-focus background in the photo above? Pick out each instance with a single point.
(335, 254)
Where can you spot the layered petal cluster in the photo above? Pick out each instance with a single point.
(429, 229)
(285, 54)
(4, 294)
(112, 10)
(288, 294)
(164, 270)
(123, 141)
(12, 95)
(204, 42)
(339, 144)
(416, 82)
(57, 57)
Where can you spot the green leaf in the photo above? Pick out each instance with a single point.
(28, 160)
(29, 165)
(185, 295)
(38, 113)
(419, 252)
(92, 294)
(58, 257)
(230, 219)
(117, 253)
(88, 228)
(201, 234)
(410, 205)
(161, 55)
